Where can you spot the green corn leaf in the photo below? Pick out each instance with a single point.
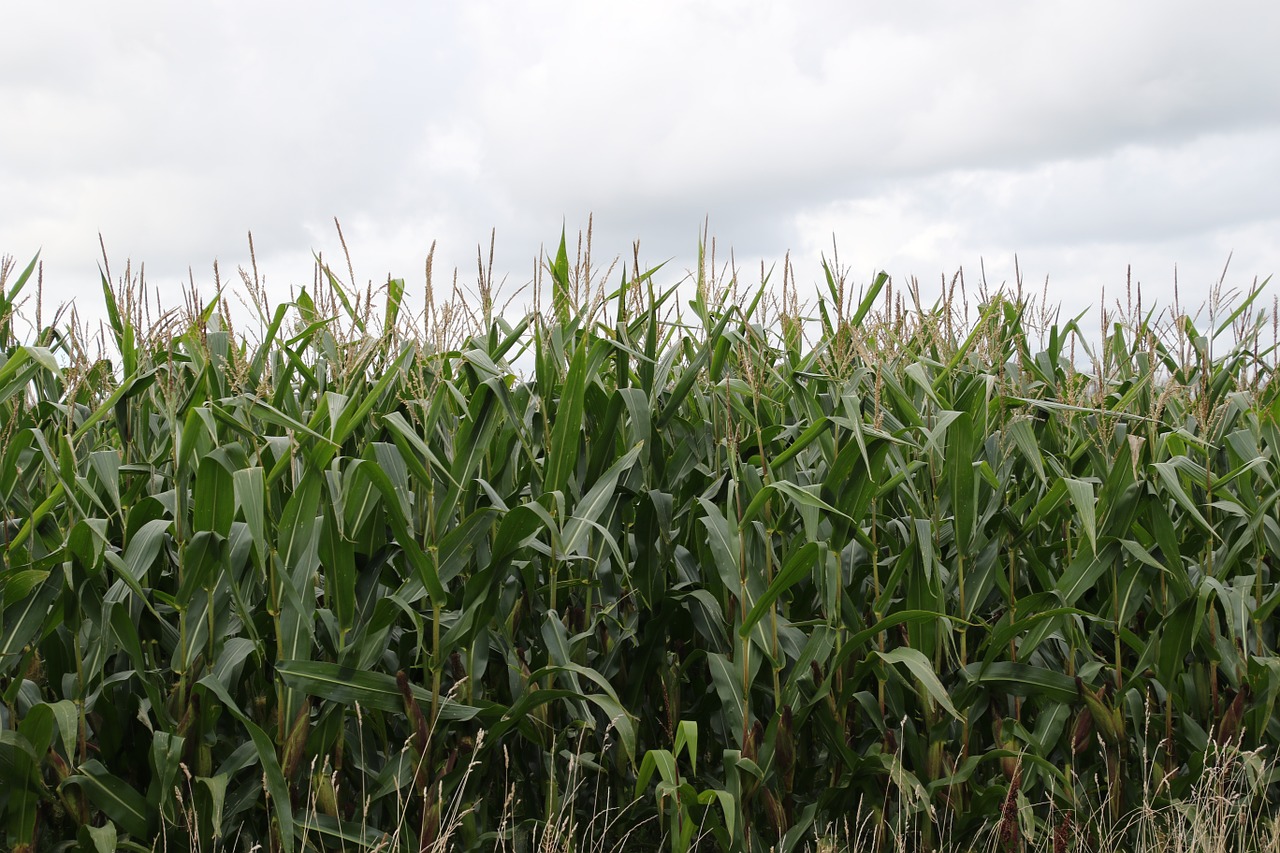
(559, 269)
(806, 438)
(67, 718)
(266, 750)
(203, 559)
(1023, 680)
(214, 497)
(518, 527)
(592, 505)
(959, 461)
(19, 771)
(691, 373)
(799, 566)
(395, 294)
(566, 435)
(373, 690)
(249, 488)
(471, 442)
(103, 839)
(24, 619)
(800, 496)
(619, 719)
(856, 643)
(723, 541)
(342, 834)
(120, 802)
(144, 547)
(1024, 438)
(1169, 477)
(459, 544)
(19, 761)
(1084, 571)
(9, 301)
(166, 756)
(920, 667)
(121, 327)
(728, 684)
(411, 445)
(1082, 498)
(350, 418)
(21, 366)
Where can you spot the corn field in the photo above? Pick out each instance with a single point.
(722, 570)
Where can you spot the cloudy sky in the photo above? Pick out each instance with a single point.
(1083, 137)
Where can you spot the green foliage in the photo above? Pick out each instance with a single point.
(359, 584)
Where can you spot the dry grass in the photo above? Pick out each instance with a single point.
(1224, 813)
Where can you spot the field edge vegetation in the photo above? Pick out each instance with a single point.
(712, 569)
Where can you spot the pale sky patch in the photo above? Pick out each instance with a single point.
(1084, 138)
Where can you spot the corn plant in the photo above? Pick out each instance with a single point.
(351, 580)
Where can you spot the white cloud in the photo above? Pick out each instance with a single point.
(1082, 136)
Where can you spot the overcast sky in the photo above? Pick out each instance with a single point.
(925, 136)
